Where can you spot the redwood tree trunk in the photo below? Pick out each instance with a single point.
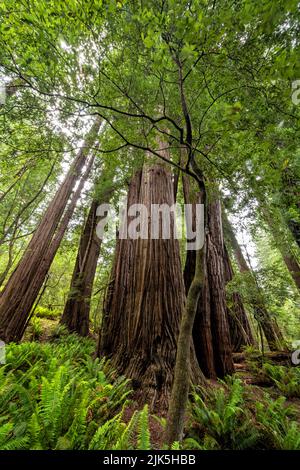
(293, 266)
(240, 329)
(23, 286)
(211, 333)
(291, 199)
(77, 309)
(287, 250)
(268, 324)
(146, 299)
(216, 281)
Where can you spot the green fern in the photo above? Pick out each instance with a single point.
(8, 441)
(56, 396)
(286, 379)
(223, 420)
(279, 430)
(143, 441)
(176, 446)
(126, 439)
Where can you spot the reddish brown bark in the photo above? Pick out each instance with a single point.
(146, 299)
(77, 309)
(211, 329)
(23, 286)
(202, 330)
(216, 280)
(240, 329)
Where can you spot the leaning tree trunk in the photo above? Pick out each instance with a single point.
(16, 324)
(20, 291)
(77, 309)
(293, 266)
(146, 298)
(268, 324)
(181, 385)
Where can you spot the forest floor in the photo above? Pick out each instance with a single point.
(251, 377)
(257, 383)
(268, 381)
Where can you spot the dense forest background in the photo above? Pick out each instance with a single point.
(115, 343)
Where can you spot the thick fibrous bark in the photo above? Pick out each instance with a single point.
(268, 324)
(240, 330)
(146, 298)
(211, 329)
(77, 309)
(216, 280)
(23, 286)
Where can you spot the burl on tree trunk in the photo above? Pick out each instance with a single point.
(146, 299)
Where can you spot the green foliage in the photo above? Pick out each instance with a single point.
(278, 430)
(36, 328)
(117, 435)
(44, 312)
(254, 359)
(8, 441)
(143, 430)
(233, 63)
(222, 422)
(286, 379)
(53, 398)
(57, 396)
(227, 419)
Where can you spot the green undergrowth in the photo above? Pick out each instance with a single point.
(56, 395)
(231, 418)
(44, 312)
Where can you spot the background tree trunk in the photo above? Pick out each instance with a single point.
(240, 329)
(77, 309)
(291, 199)
(20, 291)
(268, 324)
(289, 253)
